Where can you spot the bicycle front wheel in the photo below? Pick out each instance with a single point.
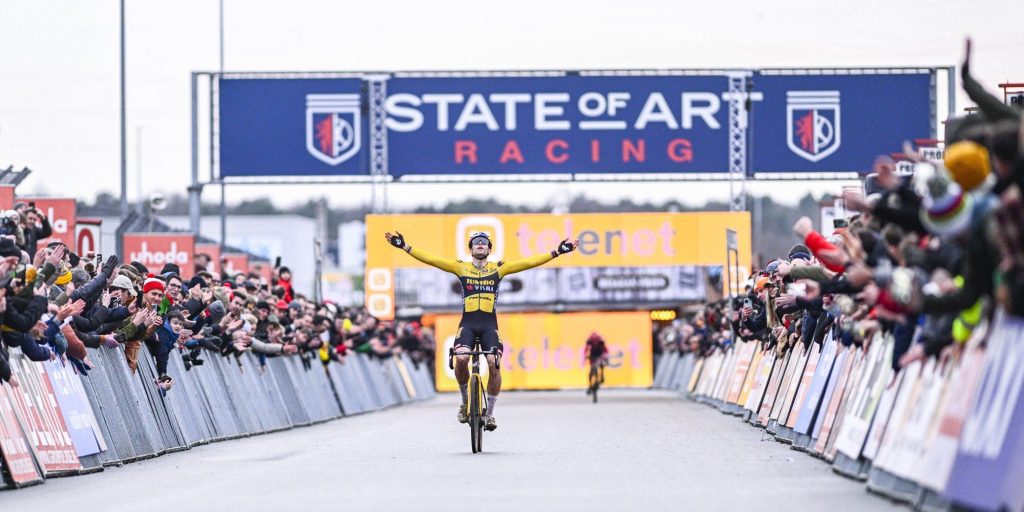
(474, 412)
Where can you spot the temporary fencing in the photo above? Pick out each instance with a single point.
(936, 434)
(59, 423)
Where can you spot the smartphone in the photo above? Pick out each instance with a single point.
(840, 223)
(747, 303)
(277, 262)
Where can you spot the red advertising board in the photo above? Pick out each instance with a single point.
(6, 197)
(213, 251)
(87, 235)
(235, 262)
(154, 250)
(16, 453)
(61, 213)
(265, 270)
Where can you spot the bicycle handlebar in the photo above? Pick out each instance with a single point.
(491, 352)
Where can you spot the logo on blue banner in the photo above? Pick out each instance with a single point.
(332, 126)
(812, 123)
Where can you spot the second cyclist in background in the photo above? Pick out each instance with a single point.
(596, 353)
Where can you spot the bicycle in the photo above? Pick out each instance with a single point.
(595, 379)
(477, 393)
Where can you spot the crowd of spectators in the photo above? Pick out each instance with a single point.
(56, 304)
(926, 256)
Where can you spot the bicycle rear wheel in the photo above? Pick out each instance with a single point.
(474, 412)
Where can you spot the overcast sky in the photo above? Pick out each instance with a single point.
(59, 67)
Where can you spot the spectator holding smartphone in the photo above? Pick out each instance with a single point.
(37, 227)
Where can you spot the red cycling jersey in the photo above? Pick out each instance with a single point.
(596, 346)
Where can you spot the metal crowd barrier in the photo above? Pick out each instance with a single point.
(60, 423)
(937, 435)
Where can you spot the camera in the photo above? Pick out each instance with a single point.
(8, 226)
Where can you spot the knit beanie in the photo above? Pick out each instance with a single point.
(945, 208)
(968, 164)
(151, 284)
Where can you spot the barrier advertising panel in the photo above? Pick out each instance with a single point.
(991, 446)
(14, 447)
(545, 350)
(75, 409)
(37, 408)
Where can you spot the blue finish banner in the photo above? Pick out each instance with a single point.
(835, 123)
(568, 124)
(572, 124)
(292, 127)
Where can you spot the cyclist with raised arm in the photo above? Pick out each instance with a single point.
(596, 352)
(480, 279)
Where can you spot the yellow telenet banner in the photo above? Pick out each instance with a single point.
(606, 240)
(545, 350)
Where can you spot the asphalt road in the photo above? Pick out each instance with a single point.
(635, 450)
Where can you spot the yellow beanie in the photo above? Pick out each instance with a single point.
(968, 163)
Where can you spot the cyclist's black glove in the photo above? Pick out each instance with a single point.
(398, 241)
(565, 247)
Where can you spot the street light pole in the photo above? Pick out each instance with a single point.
(124, 159)
(223, 191)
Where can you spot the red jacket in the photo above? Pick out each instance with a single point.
(817, 244)
(288, 293)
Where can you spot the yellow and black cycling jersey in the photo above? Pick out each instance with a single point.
(480, 285)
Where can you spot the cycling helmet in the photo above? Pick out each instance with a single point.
(479, 234)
